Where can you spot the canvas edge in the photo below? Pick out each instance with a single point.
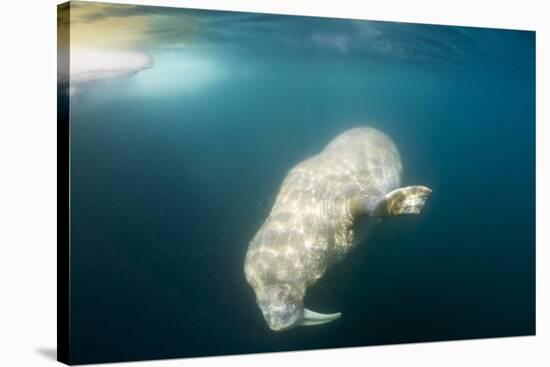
(63, 185)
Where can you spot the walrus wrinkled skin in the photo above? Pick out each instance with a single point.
(326, 205)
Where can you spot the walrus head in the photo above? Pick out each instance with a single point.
(283, 307)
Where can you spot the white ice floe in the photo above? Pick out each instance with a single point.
(88, 65)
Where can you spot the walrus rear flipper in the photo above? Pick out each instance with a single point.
(402, 201)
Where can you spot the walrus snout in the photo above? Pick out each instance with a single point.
(281, 305)
(282, 319)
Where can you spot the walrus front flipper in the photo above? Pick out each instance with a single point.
(402, 201)
(311, 318)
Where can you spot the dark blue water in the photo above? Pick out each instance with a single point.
(174, 169)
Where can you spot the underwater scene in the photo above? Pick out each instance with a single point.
(246, 183)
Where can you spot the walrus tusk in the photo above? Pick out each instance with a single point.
(311, 318)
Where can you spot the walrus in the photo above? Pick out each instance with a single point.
(326, 205)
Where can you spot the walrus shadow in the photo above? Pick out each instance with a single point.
(48, 353)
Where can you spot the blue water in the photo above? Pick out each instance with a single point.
(174, 169)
